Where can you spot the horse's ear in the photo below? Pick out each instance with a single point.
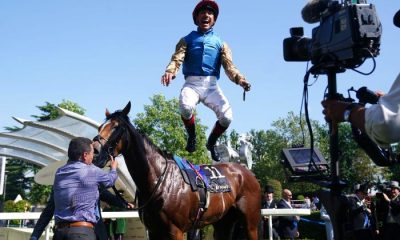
(107, 113)
(127, 108)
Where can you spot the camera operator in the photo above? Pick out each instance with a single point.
(381, 121)
(361, 215)
(390, 206)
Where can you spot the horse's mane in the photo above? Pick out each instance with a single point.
(125, 119)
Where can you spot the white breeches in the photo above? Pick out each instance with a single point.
(206, 90)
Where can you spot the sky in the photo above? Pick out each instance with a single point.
(101, 54)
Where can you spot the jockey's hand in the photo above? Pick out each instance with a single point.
(130, 206)
(245, 84)
(167, 78)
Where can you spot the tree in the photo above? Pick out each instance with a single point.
(49, 111)
(161, 122)
(17, 181)
(230, 140)
(267, 147)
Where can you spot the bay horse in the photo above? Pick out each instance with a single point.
(167, 205)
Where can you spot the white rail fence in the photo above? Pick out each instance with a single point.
(270, 213)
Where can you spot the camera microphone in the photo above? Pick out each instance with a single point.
(311, 12)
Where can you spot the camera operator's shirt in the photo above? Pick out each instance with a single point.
(382, 120)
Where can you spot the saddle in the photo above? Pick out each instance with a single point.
(207, 177)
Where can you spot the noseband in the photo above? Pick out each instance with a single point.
(110, 143)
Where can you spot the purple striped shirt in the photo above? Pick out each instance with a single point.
(76, 191)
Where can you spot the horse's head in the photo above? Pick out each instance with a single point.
(112, 133)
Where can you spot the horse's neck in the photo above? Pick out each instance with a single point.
(144, 163)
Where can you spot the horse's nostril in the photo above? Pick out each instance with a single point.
(95, 151)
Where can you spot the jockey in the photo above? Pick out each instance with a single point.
(202, 53)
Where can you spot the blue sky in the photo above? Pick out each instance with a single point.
(102, 54)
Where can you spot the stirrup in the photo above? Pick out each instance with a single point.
(214, 154)
(191, 144)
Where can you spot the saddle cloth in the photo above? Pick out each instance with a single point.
(208, 177)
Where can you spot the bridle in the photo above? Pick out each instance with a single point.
(110, 151)
(111, 144)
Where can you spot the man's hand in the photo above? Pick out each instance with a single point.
(130, 205)
(167, 78)
(333, 110)
(245, 84)
(113, 162)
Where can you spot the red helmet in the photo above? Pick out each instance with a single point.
(206, 4)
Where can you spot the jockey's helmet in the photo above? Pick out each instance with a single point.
(206, 4)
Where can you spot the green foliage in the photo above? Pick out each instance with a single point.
(39, 193)
(267, 146)
(277, 187)
(17, 182)
(9, 206)
(355, 166)
(161, 122)
(50, 111)
(232, 139)
(294, 130)
(20, 206)
(304, 188)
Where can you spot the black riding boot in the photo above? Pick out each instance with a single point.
(191, 132)
(217, 131)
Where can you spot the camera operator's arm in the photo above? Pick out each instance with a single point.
(380, 121)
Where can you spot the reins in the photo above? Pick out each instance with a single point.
(159, 181)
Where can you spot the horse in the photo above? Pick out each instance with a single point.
(168, 207)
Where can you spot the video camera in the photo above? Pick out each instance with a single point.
(348, 34)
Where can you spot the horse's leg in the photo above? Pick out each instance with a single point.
(250, 218)
(223, 229)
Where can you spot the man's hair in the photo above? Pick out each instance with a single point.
(77, 147)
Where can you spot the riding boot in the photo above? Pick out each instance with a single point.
(217, 131)
(191, 132)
